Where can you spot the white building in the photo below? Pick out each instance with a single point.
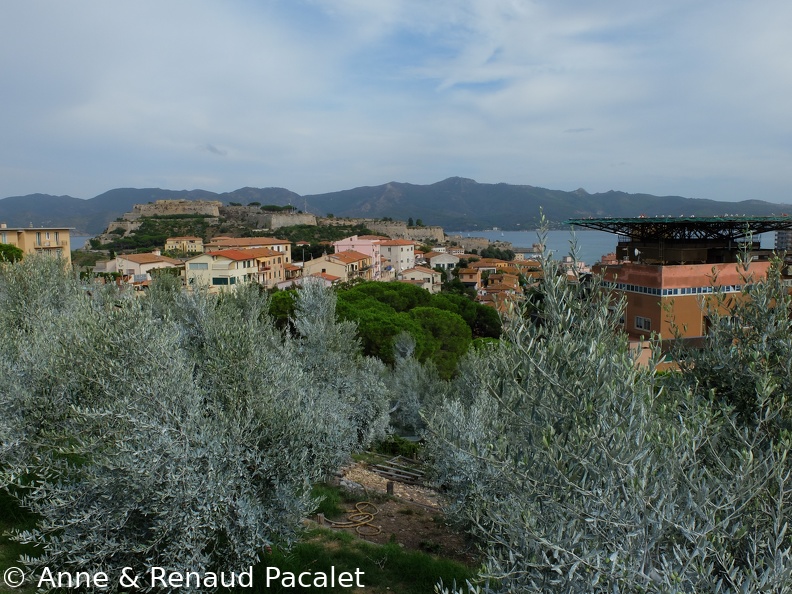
(136, 268)
(443, 261)
(222, 270)
(425, 278)
(400, 252)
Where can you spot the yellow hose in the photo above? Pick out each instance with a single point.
(360, 518)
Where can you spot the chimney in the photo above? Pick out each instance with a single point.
(3, 226)
(156, 252)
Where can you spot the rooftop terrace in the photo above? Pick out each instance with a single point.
(647, 229)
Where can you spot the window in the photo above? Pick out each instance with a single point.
(47, 235)
(57, 236)
(199, 266)
(219, 280)
(38, 238)
(642, 323)
(3, 238)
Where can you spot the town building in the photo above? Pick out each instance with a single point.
(470, 277)
(400, 252)
(367, 245)
(348, 265)
(52, 241)
(426, 278)
(327, 280)
(246, 243)
(136, 268)
(783, 241)
(444, 261)
(222, 270)
(531, 253)
(187, 244)
(668, 270)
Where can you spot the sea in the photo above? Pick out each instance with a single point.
(79, 241)
(591, 245)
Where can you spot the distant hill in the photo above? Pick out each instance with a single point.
(456, 204)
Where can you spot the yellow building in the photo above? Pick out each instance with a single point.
(188, 244)
(54, 241)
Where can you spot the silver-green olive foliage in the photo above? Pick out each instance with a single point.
(174, 430)
(579, 471)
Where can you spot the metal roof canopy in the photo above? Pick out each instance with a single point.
(686, 228)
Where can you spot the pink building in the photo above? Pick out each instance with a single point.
(368, 246)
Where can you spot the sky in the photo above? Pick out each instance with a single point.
(668, 98)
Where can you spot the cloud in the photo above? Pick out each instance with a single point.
(214, 150)
(320, 95)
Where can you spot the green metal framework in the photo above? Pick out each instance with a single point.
(686, 228)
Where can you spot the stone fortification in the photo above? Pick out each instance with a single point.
(400, 230)
(393, 229)
(470, 243)
(278, 220)
(256, 218)
(210, 208)
(127, 226)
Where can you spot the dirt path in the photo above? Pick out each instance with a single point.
(412, 517)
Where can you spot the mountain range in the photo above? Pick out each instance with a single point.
(455, 203)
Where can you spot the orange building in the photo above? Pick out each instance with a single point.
(660, 297)
(668, 270)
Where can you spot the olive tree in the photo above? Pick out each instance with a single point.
(175, 430)
(579, 471)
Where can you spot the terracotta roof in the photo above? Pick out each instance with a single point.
(397, 242)
(480, 264)
(291, 267)
(423, 269)
(381, 237)
(264, 252)
(349, 256)
(412, 281)
(499, 287)
(148, 258)
(325, 276)
(469, 271)
(185, 238)
(504, 277)
(249, 254)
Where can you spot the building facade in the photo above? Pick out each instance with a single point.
(400, 253)
(670, 272)
(368, 246)
(187, 244)
(246, 243)
(52, 241)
